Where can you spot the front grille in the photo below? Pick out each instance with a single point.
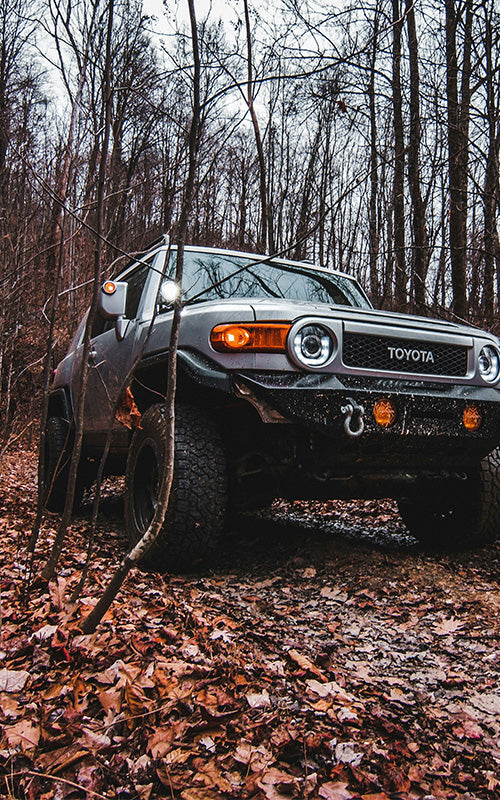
(387, 354)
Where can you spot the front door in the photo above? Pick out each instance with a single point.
(110, 359)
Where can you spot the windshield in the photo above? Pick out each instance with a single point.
(216, 276)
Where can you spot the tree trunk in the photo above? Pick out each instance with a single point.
(458, 129)
(491, 175)
(262, 238)
(399, 161)
(420, 243)
(132, 558)
(80, 404)
(373, 202)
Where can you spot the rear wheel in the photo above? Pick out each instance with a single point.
(195, 514)
(467, 515)
(57, 458)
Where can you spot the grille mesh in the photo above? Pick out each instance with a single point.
(402, 355)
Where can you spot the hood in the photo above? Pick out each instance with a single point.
(266, 309)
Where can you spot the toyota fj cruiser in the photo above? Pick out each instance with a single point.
(289, 385)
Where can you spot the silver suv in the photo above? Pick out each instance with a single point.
(289, 385)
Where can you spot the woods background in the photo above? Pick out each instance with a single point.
(363, 136)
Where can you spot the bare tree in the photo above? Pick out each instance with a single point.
(399, 159)
(151, 534)
(420, 243)
(262, 240)
(458, 147)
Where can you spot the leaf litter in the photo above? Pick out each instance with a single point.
(323, 654)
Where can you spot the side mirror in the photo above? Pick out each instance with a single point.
(112, 299)
(112, 305)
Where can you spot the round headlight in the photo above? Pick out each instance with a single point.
(489, 363)
(312, 346)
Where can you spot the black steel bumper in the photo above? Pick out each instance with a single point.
(428, 422)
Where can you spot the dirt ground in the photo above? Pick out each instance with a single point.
(323, 654)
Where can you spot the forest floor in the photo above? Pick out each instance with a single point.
(323, 655)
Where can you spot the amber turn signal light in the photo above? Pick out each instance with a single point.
(265, 337)
(385, 412)
(472, 418)
(109, 287)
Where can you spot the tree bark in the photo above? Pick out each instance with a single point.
(80, 404)
(420, 243)
(132, 558)
(399, 161)
(262, 239)
(458, 129)
(373, 202)
(490, 190)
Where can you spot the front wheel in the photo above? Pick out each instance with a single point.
(466, 516)
(195, 514)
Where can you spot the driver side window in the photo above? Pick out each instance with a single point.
(135, 283)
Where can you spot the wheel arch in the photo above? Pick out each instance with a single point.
(198, 382)
(60, 404)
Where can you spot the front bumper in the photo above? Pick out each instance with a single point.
(428, 422)
(428, 431)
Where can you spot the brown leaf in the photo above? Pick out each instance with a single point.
(257, 758)
(13, 680)
(23, 734)
(447, 626)
(160, 742)
(10, 707)
(278, 785)
(57, 591)
(375, 796)
(489, 703)
(258, 699)
(111, 700)
(306, 664)
(80, 697)
(177, 756)
(335, 790)
(143, 790)
(136, 702)
(200, 794)
(56, 760)
(127, 412)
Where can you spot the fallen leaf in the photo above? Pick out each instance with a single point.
(258, 699)
(489, 703)
(143, 790)
(127, 412)
(23, 734)
(277, 784)
(447, 626)
(306, 664)
(257, 758)
(309, 572)
(13, 680)
(348, 753)
(335, 790)
(136, 702)
(57, 591)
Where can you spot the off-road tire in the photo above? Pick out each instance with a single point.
(58, 448)
(471, 518)
(195, 516)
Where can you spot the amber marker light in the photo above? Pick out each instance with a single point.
(109, 287)
(264, 337)
(385, 412)
(472, 418)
